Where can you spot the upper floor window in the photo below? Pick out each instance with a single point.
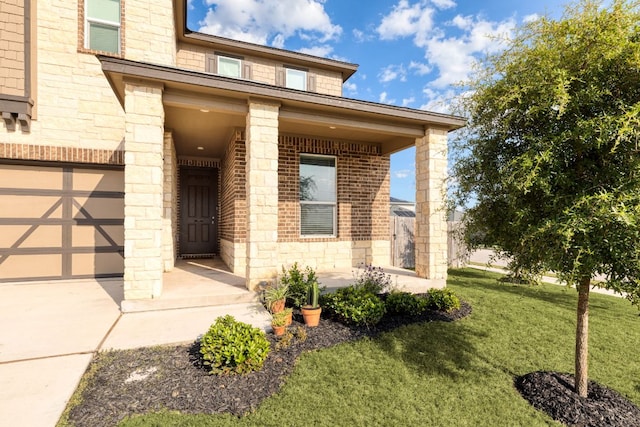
(102, 25)
(317, 195)
(295, 79)
(228, 66)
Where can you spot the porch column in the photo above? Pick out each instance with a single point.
(262, 191)
(143, 187)
(431, 216)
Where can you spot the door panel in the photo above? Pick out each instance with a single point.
(198, 201)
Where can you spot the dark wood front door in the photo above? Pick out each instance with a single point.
(198, 216)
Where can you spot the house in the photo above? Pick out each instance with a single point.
(129, 141)
(402, 208)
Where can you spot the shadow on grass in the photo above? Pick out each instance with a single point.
(434, 348)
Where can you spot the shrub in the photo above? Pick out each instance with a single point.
(372, 279)
(442, 300)
(298, 283)
(405, 303)
(232, 346)
(353, 305)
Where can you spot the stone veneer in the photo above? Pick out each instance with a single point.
(431, 217)
(170, 203)
(143, 186)
(12, 71)
(262, 192)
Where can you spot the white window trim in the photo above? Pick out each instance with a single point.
(304, 80)
(238, 60)
(334, 204)
(88, 20)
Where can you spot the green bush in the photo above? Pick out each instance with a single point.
(231, 346)
(372, 279)
(354, 305)
(442, 300)
(299, 283)
(405, 303)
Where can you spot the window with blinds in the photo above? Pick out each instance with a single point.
(102, 25)
(317, 195)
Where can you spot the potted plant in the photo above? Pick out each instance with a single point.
(279, 322)
(275, 297)
(311, 311)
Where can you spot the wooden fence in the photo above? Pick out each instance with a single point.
(403, 247)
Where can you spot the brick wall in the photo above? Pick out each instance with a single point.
(12, 47)
(233, 206)
(363, 189)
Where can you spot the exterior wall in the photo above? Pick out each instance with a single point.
(12, 71)
(233, 197)
(150, 35)
(192, 57)
(431, 215)
(363, 189)
(337, 254)
(143, 186)
(170, 201)
(234, 255)
(76, 105)
(262, 192)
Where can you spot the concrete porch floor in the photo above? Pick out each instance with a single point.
(208, 282)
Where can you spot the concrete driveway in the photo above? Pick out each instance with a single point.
(50, 330)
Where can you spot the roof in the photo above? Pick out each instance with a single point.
(400, 211)
(400, 201)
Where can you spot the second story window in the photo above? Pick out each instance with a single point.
(102, 25)
(229, 67)
(295, 79)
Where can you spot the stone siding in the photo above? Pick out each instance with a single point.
(431, 216)
(170, 204)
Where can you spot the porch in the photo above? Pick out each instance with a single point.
(209, 282)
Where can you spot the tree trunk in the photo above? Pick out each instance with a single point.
(582, 337)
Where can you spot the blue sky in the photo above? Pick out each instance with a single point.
(410, 52)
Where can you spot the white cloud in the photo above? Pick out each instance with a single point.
(444, 4)
(351, 88)
(392, 72)
(420, 68)
(361, 36)
(403, 173)
(438, 101)
(257, 21)
(190, 5)
(407, 20)
(322, 51)
(384, 100)
(530, 18)
(408, 101)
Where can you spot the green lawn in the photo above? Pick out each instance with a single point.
(451, 374)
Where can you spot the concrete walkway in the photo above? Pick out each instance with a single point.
(50, 332)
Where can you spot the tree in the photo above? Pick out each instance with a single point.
(552, 153)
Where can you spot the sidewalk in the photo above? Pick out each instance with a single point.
(50, 332)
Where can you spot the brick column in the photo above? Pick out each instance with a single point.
(262, 192)
(431, 217)
(143, 186)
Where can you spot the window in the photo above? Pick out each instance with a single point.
(317, 195)
(295, 79)
(102, 25)
(229, 67)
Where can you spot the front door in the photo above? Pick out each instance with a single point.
(198, 219)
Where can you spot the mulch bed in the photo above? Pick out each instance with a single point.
(553, 393)
(173, 378)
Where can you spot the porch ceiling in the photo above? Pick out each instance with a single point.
(202, 110)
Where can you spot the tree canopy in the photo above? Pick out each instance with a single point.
(552, 153)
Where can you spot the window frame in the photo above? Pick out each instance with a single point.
(296, 70)
(240, 62)
(112, 24)
(333, 204)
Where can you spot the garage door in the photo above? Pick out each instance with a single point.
(60, 222)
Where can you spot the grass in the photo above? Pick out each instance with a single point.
(454, 374)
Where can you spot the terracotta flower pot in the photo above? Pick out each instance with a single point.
(277, 306)
(311, 316)
(279, 330)
(289, 318)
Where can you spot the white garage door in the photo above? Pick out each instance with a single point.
(60, 222)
